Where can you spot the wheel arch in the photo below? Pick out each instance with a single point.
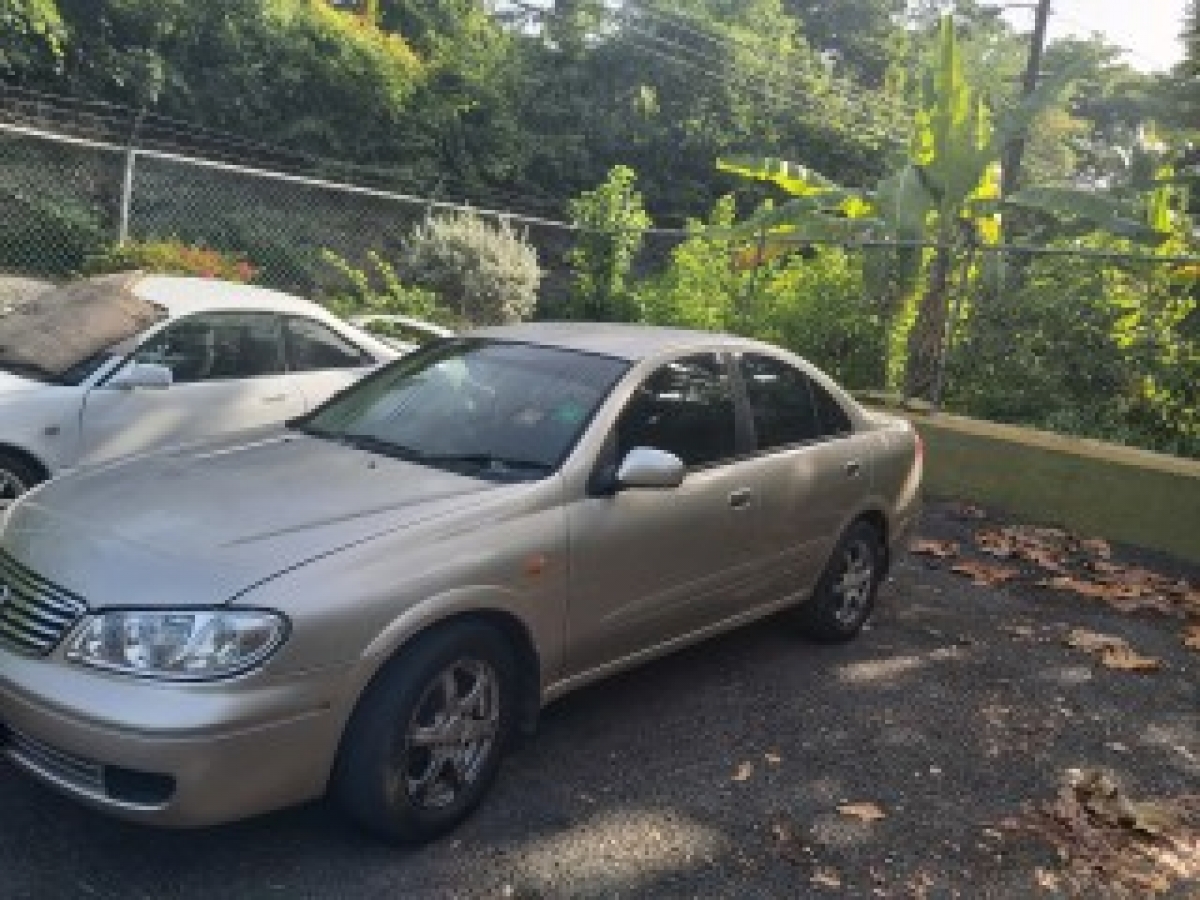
(878, 520)
(515, 631)
(26, 456)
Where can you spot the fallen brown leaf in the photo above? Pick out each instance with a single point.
(1096, 547)
(864, 812)
(1114, 652)
(1191, 637)
(1092, 641)
(1021, 631)
(1126, 659)
(997, 543)
(984, 574)
(773, 758)
(1109, 844)
(1144, 603)
(826, 877)
(744, 771)
(1046, 880)
(938, 549)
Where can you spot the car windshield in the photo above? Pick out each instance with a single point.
(500, 410)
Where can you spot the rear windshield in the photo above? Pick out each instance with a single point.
(63, 335)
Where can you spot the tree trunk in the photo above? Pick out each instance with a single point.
(925, 339)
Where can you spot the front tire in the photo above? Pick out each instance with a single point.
(426, 740)
(845, 594)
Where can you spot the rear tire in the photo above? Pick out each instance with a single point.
(427, 737)
(845, 594)
(17, 475)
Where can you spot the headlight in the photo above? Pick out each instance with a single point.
(178, 645)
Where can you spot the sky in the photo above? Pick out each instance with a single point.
(1148, 28)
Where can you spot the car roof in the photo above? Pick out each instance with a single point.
(181, 296)
(629, 342)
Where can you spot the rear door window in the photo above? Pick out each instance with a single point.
(781, 402)
(313, 346)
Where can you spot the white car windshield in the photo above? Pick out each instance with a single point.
(488, 408)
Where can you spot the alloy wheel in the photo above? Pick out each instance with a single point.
(852, 587)
(451, 734)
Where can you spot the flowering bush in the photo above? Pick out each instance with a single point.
(171, 257)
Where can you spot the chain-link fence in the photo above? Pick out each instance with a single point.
(1084, 339)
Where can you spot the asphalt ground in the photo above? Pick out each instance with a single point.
(718, 772)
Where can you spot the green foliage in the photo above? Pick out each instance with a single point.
(32, 46)
(861, 32)
(1086, 346)
(486, 274)
(377, 288)
(47, 236)
(170, 257)
(612, 223)
(812, 303)
(298, 71)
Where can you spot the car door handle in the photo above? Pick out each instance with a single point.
(853, 468)
(741, 499)
(275, 398)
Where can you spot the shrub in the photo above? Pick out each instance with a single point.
(612, 222)
(378, 289)
(170, 257)
(485, 273)
(813, 303)
(50, 238)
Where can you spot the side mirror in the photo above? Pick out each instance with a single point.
(142, 375)
(646, 467)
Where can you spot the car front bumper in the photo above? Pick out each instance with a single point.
(172, 755)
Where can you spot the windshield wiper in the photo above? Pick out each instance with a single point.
(487, 461)
(360, 442)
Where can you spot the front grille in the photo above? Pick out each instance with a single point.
(35, 614)
(49, 762)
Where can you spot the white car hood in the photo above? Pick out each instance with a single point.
(199, 526)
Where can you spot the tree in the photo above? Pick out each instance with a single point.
(946, 193)
(34, 35)
(861, 32)
(291, 71)
(611, 221)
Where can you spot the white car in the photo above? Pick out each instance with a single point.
(118, 365)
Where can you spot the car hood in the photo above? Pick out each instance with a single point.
(201, 525)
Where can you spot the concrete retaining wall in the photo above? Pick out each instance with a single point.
(1089, 487)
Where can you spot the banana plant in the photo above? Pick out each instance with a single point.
(945, 193)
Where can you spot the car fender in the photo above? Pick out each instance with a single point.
(542, 632)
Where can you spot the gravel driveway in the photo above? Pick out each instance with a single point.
(719, 772)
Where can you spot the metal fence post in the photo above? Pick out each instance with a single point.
(127, 179)
(126, 194)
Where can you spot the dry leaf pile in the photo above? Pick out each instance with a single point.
(1058, 560)
(1110, 844)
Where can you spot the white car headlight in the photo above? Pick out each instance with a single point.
(178, 645)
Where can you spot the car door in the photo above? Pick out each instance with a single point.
(228, 374)
(812, 469)
(651, 565)
(321, 360)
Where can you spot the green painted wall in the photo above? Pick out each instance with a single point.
(1088, 487)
